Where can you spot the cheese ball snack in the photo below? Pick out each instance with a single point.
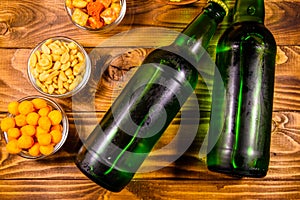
(31, 135)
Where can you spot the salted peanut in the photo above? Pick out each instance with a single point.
(80, 57)
(28, 130)
(56, 136)
(65, 46)
(39, 68)
(57, 65)
(38, 54)
(45, 49)
(72, 45)
(13, 107)
(38, 83)
(61, 91)
(54, 47)
(13, 133)
(74, 52)
(62, 76)
(65, 66)
(55, 85)
(44, 89)
(12, 147)
(60, 84)
(34, 150)
(34, 73)
(49, 41)
(51, 89)
(69, 72)
(46, 150)
(25, 107)
(76, 81)
(65, 57)
(74, 62)
(25, 142)
(44, 76)
(44, 63)
(32, 118)
(44, 122)
(33, 60)
(55, 57)
(71, 77)
(20, 120)
(48, 82)
(44, 139)
(53, 74)
(46, 56)
(78, 68)
(66, 85)
(55, 80)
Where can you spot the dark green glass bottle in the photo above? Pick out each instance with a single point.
(240, 130)
(117, 147)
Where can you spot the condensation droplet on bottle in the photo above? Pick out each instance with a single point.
(251, 10)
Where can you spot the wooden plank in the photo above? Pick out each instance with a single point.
(284, 164)
(48, 18)
(15, 83)
(150, 189)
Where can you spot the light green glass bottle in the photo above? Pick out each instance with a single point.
(245, 59)
(119, 144)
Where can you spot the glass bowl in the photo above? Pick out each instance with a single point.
(59, 67)
(108, 18)
(64, 123)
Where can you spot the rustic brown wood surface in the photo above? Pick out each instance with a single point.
(25, 23)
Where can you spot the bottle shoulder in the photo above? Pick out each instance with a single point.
(247, 31)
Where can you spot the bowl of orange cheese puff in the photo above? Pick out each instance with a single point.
(96, 15)
(35, 127)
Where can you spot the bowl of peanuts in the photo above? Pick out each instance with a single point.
(59, 67)
(35, 127)
(96, 15)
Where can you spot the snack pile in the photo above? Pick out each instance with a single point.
(94, 13)
(34, 127)
(57, 67)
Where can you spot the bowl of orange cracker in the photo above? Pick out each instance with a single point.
(35, 127)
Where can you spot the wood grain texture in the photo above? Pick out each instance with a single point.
(284, 162)
(115, 56)
(23, 25)
(150, 189)
(106, 82)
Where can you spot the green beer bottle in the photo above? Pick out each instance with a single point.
(240, 130)
(116, 148)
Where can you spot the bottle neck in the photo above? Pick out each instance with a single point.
(249, 11)
(197, 35)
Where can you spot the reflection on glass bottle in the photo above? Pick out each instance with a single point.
(138, 117)
(240, 138)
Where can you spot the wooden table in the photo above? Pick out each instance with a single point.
(24, 23)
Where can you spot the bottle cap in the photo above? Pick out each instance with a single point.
(222, 4)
